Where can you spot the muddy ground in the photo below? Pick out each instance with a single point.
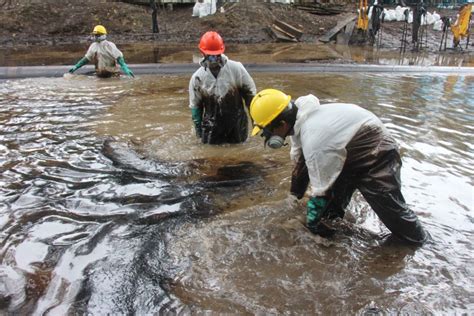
(49, 23)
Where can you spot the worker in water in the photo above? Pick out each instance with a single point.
(218, 93)
(105, 56)
(338, 148)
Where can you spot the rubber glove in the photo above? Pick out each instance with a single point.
(79, 64)
(124, 67)
(196, 114)
(314, 211)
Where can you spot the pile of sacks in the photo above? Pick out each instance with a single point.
(398, 14)
(204, 8)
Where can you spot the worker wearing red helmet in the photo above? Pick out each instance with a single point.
(218, 93)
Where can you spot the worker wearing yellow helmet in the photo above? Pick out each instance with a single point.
(338, 148)
(105, 56)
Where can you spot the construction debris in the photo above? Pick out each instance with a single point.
(321, 9)
(284, 32)
(344, 22)
(280, 36)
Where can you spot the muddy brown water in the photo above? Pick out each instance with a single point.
(251, 53)
(161, 223)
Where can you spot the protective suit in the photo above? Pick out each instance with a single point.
(105, 56)
(220, 101)
(345, 148)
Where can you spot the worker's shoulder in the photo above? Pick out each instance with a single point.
(108, 43)
(200, 72)
(234, 63)
(93, 45)
(201, 69)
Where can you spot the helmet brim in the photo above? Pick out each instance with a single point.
(212, 52)
(256, 130)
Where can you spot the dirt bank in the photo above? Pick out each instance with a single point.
(47, 23)
(73, 19)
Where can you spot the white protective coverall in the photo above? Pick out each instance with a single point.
(104, 54)
(222, 100)
(346, 148)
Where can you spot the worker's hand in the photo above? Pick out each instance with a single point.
(198, 130)
(128, 72)
(124, 67)
(79, 64)
(314, 210)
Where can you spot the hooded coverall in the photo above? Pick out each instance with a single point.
(345, 147)
(104, 54)
(222, 100)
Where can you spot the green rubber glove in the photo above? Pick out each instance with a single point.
(314, 211)
(196, 114)
(79, 64)
(124, 67)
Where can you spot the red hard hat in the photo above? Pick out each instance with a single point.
(211, 44)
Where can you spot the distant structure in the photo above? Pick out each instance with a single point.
(194, 1)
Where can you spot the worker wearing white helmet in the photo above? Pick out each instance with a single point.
(104, 54)
(338, 148)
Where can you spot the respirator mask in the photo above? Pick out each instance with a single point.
(272, 141)
(213, 61)
(98, 38)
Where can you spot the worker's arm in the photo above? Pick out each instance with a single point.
(299, 178)
(324, 166)
(196, 114)
(79, 64)
(315, 209)
(195, 104)
(247, 85)
(124, 67)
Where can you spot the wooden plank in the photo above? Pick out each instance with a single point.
(276, 28)
(332, 32)
(321, 9)
(289, 29)
(350, 27)
(280, 37)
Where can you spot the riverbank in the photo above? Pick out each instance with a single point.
(49, 24)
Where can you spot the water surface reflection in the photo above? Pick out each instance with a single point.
(144, 53)
(193, 228)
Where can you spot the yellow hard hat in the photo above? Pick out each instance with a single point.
(99, 30)
(266, 106)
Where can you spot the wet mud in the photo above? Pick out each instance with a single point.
(31, 35)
